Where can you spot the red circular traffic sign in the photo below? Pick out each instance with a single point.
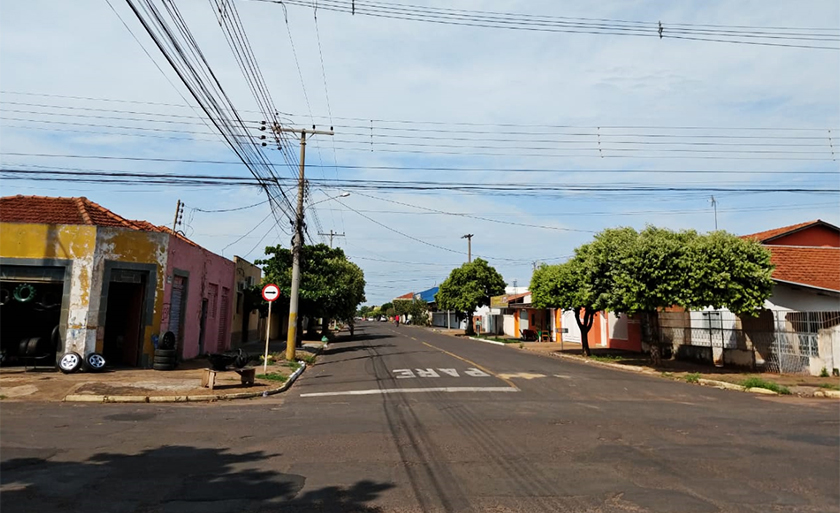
(270, 292)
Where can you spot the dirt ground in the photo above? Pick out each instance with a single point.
(49, 384)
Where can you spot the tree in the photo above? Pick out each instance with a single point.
(331, 287)
(416, 310)
(469, 287)
(386, 307)
(629, 272)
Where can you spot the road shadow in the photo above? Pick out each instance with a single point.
(168, 479)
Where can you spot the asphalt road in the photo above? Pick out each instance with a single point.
(403, 419)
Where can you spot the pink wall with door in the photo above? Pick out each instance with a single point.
(197, 276)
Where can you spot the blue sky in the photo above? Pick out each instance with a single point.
(484, 99)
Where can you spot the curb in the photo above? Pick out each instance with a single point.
(721, 384)
(632, 368)
(833, 394)
(80, 398)
(488, 341)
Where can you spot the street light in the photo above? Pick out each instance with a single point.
(342, 195)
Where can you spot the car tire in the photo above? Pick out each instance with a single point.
(95, 362)
(165, 353)
(70, 362)
(165, 359)
(163, 366)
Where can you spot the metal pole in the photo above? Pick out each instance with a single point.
(267, 332)
(714, 205)
(291, 336)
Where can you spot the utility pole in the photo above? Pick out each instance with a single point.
(714, 205)
(179, 215)
(297, 241)
(469, 237)
(331, 235)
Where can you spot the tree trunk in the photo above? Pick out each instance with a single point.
(325, 327)
(470, 331)
(585, 325)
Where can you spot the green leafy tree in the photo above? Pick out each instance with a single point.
(629, 272)
(469, 287)
(331, 287)
(385, 307)
(417, 310)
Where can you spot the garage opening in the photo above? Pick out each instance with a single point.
(123, 340)
(30, 316)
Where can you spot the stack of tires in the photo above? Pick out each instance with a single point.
(166, 354)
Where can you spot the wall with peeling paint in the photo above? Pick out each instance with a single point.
(68, 242)
(206, 272)
(122, 245)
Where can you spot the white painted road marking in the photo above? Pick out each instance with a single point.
(521, 375)
(432, 373)
(386, 391)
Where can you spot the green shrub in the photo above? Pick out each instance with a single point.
(824, 373)
(756, 382)
(693, 377)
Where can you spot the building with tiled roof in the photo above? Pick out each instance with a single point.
(811, 233)
(107, 284)
(405, 297)
(816, 267)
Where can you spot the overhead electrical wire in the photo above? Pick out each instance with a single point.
(763, 36)
(182, 52)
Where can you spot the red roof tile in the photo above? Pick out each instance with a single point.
(408, 296)
(52, 210)
(47, 210)
(777, 232)
(814, 266)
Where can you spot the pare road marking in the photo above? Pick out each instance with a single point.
(435, 373)
(521, 375)
(388, 391)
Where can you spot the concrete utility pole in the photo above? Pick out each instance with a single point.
(297, 241)
(469, 237)
(179, 215)
(331, 235)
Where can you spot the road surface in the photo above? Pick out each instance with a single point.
(407, 420)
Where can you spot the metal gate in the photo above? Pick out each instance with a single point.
(176, 308)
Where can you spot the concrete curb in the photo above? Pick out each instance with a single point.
(721, 384)
(832, 394)
(631, 368)
(488, 341)
(759, 390)
(81, 398)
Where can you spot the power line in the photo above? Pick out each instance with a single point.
(524, 22)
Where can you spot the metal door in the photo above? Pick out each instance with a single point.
(176, 309)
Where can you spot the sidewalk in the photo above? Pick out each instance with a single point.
(796, 384)
(49, 384)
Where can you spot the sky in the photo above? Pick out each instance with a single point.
(630, 120)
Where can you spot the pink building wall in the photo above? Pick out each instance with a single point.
(207, 272)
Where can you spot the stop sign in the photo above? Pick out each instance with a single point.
(270, 292)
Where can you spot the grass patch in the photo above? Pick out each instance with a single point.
(756, 382)
(497, 339)
(273, 376)
(829, 386)
(308, 358)
(2, 397)
(607, 358)
(292, 365)
(693, 377)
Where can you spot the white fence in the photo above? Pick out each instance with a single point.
(775, 341)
